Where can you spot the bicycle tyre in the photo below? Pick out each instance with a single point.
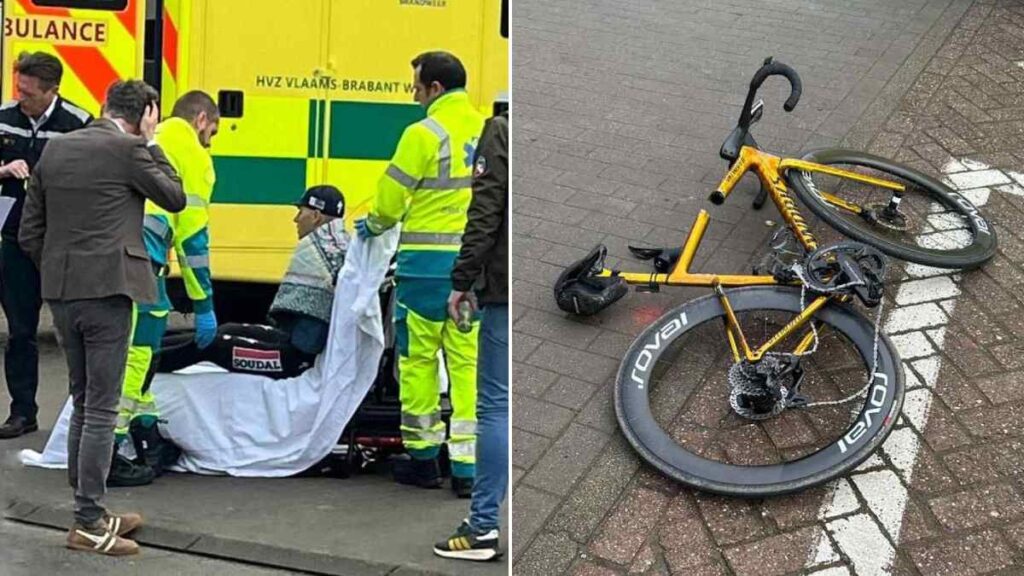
(981, 249)
(633, 410)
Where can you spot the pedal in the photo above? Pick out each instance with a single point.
(849, 267)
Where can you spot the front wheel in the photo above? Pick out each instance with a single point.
(928, 224)
(675, 396)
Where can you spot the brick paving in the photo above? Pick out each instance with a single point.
(621, 107)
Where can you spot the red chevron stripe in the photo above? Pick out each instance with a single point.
(87, 62)
(127, 17)
(170, 44)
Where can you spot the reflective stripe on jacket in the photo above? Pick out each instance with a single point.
(426, 186)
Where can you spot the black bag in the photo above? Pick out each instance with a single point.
(580, 291)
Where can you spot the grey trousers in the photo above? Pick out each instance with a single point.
(95, 336)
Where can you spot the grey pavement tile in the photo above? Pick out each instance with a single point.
(568, 458)
(918, 524)
(527, 447)
(671, 219)
(963, 351)
(542, 273)
(593, 497)
(611, 344)
(528, 187)
(600, 411)
(569, 392)
(550, 553)
(532, 294)
(568, 235)
(576, 164)
(523, 345)
(539, 416)
(563, 256)
(633, 176)
(530, 247)
(554, 328)
(530, 380)
(607, 204)
(575, 363)
(531, 508)
(548, 211)
(517, 475)
(618, 225)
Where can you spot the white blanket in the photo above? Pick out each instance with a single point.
(248, 425)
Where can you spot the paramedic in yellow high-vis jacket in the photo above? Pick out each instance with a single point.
(185, 139)
(426, 189)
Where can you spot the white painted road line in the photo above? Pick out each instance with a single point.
(917, 327)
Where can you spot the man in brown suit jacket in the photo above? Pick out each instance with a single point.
(82, 225)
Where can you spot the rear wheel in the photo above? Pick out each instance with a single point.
(928, 224)
(677, 403)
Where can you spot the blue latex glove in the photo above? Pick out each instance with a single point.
(364, 230)
(206, 328)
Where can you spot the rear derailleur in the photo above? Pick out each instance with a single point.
(764, 389)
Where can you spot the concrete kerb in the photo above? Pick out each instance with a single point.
(211, 546)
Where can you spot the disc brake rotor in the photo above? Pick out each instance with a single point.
(893, 220)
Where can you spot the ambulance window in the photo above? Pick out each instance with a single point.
(504, 18)
(116, 5)
(231, 103)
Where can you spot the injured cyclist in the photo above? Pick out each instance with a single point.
(300, 314)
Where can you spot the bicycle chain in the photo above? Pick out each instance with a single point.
(798, 270)
(740, 380)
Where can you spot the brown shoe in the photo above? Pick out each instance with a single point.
(122, 524)
(101, 541)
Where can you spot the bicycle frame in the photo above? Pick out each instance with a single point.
(769, 169)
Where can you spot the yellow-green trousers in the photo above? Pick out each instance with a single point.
(149, 322)
(422, 328)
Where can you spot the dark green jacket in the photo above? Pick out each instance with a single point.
(482, 264)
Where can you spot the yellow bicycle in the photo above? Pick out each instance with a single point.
(805, 387)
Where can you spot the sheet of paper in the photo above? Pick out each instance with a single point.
(5, 208)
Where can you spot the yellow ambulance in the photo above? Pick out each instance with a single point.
(310, 91)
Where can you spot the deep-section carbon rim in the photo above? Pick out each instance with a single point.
(867, 431)
(983, 240)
